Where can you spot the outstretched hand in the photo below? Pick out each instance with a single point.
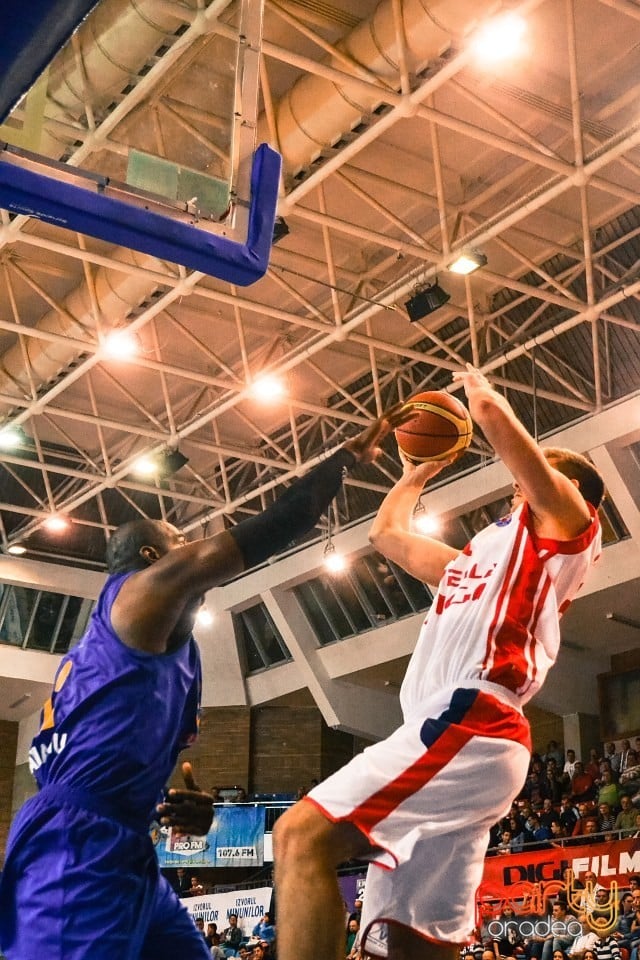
(187, 811)
(366, 446)
(419, 473)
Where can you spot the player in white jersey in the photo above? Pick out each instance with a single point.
(419, 805)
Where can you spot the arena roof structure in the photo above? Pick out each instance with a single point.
(403, 145)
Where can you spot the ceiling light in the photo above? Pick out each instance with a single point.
(10, 437)
(268, 388)
(425, 300)
(145, 466)
(333, 561)
(204, 617)
(56, 523)
(120, 345)
(163, 464)
(426, 524)
(467, 261)
(500, 38)
(16, 549)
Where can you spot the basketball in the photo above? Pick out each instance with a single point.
(441, 429)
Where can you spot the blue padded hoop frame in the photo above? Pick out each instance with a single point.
(30, 35)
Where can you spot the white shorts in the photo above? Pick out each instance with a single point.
(426, 797)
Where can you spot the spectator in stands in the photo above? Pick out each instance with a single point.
(212, 937)
(613, 757)
(582, 785)
(547, 814)
(634, 933)
(608, 791)
(535, 788)
(504, 846)
(625, 748)
(606, 818)
(553, 783)
(569, 767)
(562, 930)
(558, 834)
(607, 946)
(625, 918)
(264, 929)
(516, 828)
(626, 819)
(535, 833)
(196, 889)
(240, 795)
(356, 914)
(199, 922)
(592, 766)
(585, 940)
(553, 752)
(231, 937)
(353, 928)
(584, 813)
(182, 882)
(509, 941)
(568, 814)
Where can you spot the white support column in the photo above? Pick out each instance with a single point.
(355, 709)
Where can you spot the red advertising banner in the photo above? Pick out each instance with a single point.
(528, 881)
(611, 860)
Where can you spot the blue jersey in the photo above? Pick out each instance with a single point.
(117, 717)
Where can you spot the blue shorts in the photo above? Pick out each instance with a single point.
(81, 886)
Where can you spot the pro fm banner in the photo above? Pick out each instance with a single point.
(236, 839)
(249, 905)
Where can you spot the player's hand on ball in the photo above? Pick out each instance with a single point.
(366, 446)
(187, 811)
(419, 473)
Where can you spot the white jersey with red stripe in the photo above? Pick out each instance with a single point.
(494, 622)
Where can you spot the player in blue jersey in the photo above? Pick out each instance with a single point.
(81, 880)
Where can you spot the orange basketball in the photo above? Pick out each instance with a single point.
(441, 429)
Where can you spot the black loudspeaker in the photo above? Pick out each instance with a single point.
(426, 301)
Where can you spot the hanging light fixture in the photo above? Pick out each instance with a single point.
(467, 261)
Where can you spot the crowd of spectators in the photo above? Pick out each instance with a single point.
(565, 799)
(590, 921)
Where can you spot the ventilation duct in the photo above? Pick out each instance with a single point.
(113, 46)
(316, 113)
(117, 294)
(119, 38)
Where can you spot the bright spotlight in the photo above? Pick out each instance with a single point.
(501, 38)
(10, 437)
(268, 388)
(425, 523)
(334, 562)
(16, 549)
(120, 345)
(145, 466)
(204, 617)
(56, 523)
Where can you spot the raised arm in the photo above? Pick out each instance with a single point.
(423, 557)
(559, 509)
(158, 603)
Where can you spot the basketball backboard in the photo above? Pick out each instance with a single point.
(184, 184)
